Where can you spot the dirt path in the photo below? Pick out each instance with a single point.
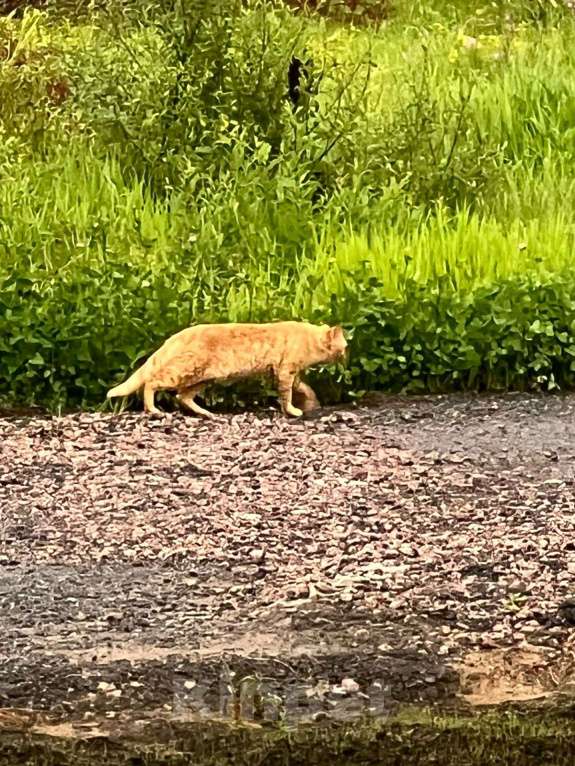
(148, 565)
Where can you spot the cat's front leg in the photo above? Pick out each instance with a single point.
(310, 400)
(285, 381)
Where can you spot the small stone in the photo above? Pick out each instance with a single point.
(384, 648)
(556, 630)
(347, 596)
(517, 586)
(407, 549)
(349, 685)
(298, 590)
(529, 627)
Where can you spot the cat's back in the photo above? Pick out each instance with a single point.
(215, 340)
(238, 331)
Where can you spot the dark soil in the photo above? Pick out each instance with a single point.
(259, 568)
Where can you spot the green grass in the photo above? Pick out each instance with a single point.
(530, 737)
(423, 197)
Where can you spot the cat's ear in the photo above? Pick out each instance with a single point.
(335, 334)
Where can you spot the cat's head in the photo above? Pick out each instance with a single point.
(335, 343)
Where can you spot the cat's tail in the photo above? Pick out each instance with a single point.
(129, 386)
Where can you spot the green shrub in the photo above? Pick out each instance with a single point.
(32, 80)
(67, 344)
(421, 191)
(516, 334)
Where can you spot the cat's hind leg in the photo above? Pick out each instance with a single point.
(285, 382)
(149, 405)
(187, 397)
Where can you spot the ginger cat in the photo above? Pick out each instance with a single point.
(197, 356)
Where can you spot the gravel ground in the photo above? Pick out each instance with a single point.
(350, 560)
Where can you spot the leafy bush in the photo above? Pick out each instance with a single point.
(156, 170)
(32, 80)
(69, 343)
(355, 11)
(516, 334)
(198, 89)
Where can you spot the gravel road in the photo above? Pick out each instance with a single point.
(351, 560)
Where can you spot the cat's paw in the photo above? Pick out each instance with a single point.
(206, 415)
(295, 412)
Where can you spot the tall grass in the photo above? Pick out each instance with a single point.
(422, 192)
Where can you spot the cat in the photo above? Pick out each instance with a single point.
(197, 356)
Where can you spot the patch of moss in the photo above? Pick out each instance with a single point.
(415, 737)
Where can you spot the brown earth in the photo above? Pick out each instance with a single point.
(416, 550)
